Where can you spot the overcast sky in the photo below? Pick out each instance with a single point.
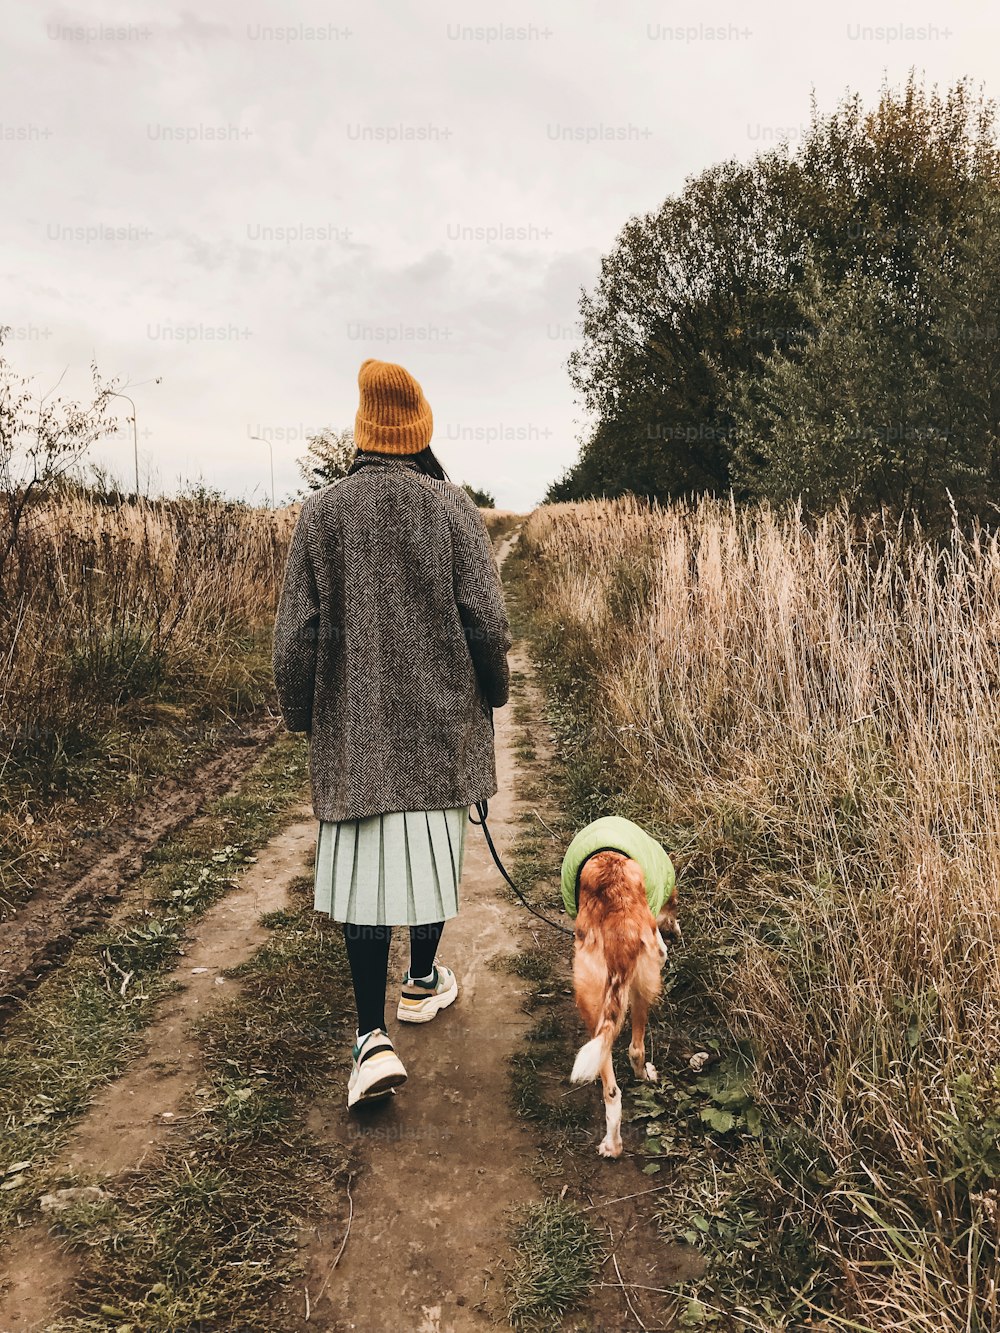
(249, 200)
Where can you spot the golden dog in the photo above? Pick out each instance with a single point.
(618, 956)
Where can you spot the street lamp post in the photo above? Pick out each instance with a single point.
(135, 436)
(117, 393)
(271, 454)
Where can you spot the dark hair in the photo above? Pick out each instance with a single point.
(426, 460)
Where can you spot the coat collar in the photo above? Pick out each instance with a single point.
(374, 460)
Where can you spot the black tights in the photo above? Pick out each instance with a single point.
(368, 955)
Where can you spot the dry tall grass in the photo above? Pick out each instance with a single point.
(120, 618)
(812, 715)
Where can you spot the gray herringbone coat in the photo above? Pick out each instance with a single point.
(390, 644)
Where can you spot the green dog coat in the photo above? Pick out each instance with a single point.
(614, 834)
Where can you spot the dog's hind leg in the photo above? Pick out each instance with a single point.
(641, 1067)
(611, 1144)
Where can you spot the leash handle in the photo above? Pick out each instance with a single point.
(482, 809)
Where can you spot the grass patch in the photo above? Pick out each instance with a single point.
(557, 1255)
(530, 965)
(205, 1234)
(538, 1068)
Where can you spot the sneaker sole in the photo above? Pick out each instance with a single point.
(379, 1090)
(434, 1004)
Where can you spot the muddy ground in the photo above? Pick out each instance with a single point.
(75, 898)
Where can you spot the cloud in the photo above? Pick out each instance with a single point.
(285, 192)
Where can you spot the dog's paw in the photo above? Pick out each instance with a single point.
(608, 1149)
(643, 1069)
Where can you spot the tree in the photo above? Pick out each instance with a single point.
(847, 419)
(328, 457)
(42, 440)
(893, 397)
(815, 321)
(690, 296)
(481, 498)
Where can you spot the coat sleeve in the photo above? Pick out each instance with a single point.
(480, 602)
(296, 629)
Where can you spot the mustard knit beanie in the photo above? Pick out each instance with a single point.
(393, 416)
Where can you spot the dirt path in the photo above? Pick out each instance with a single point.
(447, 1156)
(134, 1113)
(76, 899)
(444, 1160)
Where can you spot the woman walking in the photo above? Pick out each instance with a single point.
(390, 651)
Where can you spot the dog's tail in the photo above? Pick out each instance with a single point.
(592, 1056)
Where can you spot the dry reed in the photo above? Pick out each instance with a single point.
(811, 713)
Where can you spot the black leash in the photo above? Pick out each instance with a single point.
(483, 809)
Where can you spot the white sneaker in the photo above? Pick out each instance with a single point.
(377, 1069)
(421, 1000)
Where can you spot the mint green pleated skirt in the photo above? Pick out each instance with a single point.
(399, 869)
